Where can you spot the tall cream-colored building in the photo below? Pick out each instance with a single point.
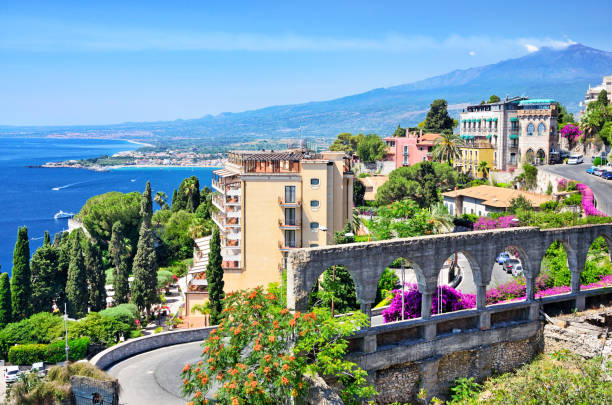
(269, 202)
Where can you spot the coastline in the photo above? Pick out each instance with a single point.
(51, 165)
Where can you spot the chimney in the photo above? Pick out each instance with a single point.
(420, 132)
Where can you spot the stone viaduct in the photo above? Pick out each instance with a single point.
(431, 351)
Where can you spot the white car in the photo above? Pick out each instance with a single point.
(517, 270)
(11, 374)
(575, 160)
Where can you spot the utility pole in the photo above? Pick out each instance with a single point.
(66, 331)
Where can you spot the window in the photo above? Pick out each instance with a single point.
(290, 216)
(530, 129)
(314, 182)
(290, 238)
(405, 149)
(289, 194)
(314, 226)
(314, 203)
(541, 129)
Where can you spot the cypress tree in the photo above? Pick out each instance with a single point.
(64, 247)
(214, 276)
(5, 300)
(57, 239)
(144, 267)
(46, 280)
(175, 201)
(193, 193)
(96, 276)
(47, 239)
(119, 257)
(21, 288)
(76, 285)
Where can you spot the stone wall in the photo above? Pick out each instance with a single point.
(132, 347)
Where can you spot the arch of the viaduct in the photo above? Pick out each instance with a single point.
(366, 261)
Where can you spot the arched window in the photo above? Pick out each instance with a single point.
(541, 129)
(530, 129)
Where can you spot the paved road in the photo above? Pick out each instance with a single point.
(602, 189)
(154, 377)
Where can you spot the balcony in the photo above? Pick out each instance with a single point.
(233, 234)
(224, 221)
(231, 255)
(288, 246)
(230, 243)
(289, 204)
(289, 224)
(231, 265)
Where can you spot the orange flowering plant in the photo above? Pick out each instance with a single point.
(262, 353)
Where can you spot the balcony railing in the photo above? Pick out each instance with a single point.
(288, 245)
(295, 224)
(284, 203)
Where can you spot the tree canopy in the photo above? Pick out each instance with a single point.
(21, 290)
(346, 142)
(371, 148)
(399, 132)
(420, 182)
(438, 119)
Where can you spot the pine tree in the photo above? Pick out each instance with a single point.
(119, 257)
(46, 280)
(144, 267)
(214, 276)
(96, 276)
(21, 288)
(5, 300)
(76, 285)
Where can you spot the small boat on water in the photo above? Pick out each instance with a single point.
(61, 214)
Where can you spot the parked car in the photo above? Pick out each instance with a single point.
(575, 160)
(606, 174)
(591, 169)
(517, 270)
(597, 171)
(11, 374)
(564, 155)
(502, 257)
(39, 368)
(510, 264)
(554, 158)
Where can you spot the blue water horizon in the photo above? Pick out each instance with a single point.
(32, 195)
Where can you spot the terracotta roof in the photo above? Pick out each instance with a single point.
(430, 137)
(497, 196)
(372, 182)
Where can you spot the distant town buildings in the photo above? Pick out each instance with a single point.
(413, 148)
(593, 92)
(484, 200)
(270, 202)
(518, 129)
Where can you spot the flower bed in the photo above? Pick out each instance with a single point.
(587, 201)
(500, 223)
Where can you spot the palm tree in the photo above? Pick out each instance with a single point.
(161, 199)
(447, 147)
(441, 219)
(484, 168)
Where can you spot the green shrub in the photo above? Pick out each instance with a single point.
(42, 327)
(164, 278)
(549, 205)
(126, 313)
(573, 199)
(135, 333)
(77, 350)
(27, 354)
(100, 329)
(597, 161)
(159, 329)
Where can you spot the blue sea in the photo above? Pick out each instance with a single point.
(32, 196)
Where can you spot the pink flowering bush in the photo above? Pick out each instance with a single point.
(572, 133)
(452, 300)
(587, 201)
(500, 223)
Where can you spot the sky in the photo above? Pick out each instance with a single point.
(73, 63)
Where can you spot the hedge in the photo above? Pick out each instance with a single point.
(52, 353)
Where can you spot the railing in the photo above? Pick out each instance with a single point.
(283, 246)
(289, 225)
(284, 203)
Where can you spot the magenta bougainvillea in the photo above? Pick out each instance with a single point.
(571, 132)
(500, 223)
(452, 300)
(587, 200)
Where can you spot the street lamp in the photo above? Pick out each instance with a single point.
(66, 331)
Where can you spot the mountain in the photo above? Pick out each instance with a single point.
(562, 74)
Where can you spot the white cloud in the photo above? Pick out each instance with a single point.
(531, 48)
(471, 53)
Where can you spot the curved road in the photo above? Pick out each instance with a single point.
(602, 189)
(154, 377)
